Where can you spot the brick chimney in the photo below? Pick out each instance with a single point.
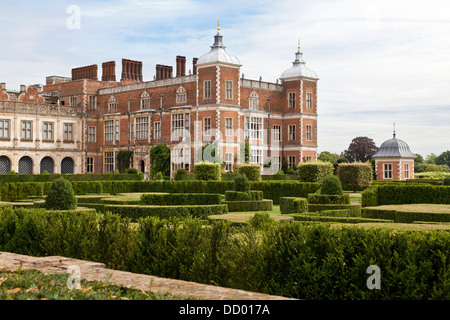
(194, 66)
(109, 71)
(181, 66)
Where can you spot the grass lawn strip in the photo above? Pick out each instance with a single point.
(35, 285)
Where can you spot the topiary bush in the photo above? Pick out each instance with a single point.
(179, 174)
(207, 171)
(355, 176)
(314, 171)
(331, 185)
(61, 196)
(132, 171)
(241, 183)
(159, 176)
(252, 171)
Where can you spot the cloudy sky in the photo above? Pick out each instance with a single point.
(379, 62)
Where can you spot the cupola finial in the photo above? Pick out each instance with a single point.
(218, 26)
(298, 45)
(394, 129)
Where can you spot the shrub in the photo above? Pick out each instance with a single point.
(159, 176)
(132, 171)
(261, 220)
(241, 183)
(252, 171)
(315, 198)
(434, 168)
(354, 176)
(314, 171)
(61, 196)
(238, 206)
(293, 205)
(207, 171)
(179, 173)
(331, 218)
(331, 185)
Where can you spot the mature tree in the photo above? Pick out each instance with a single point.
(419, 164)
(443, 158)
(360, 149)
(431, 158)
(327, 156)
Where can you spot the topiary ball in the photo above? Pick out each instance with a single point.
(241, 183)
(61, 196)
(331, 185)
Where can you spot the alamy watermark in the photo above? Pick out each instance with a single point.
(73, 282)
(73, 22)
(374, 281)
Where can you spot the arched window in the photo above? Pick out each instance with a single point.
(25, 165)
(253, 101)
(112, 103)
(47, 164)
(5, 165)
(145, 101)
(181, 95)
(67, 166)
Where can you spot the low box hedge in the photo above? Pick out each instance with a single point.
(252, 195)
(170, 199)
(405, 194)
(293, 205)
(70, 177)
(355, 209)
(238, 206)
(134, 212)
(375, 213)
(316, 198)
(321, 218)
(400, 216)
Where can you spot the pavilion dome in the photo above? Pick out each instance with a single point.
(218, 53)
(299, 69)
(394, 148)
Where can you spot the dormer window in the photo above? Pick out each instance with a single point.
(145, 101)
(181, 95)
(253, 101)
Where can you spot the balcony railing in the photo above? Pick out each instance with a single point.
(39, 108)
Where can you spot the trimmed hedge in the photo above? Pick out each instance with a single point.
(271, 189)
(171, 199)
(70, 177)
(321, 218)
(355, 176)
(355, 209)
(252, 195)
(315, 198)
(276, 189)
(434, 182)
(405, 194)
(314, 171)
(296, 260)
(238, 206)
(405, 216)
(252, 171)
(134, 212)
(207, 171)
(293, 205)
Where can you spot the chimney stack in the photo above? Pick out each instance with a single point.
(181, 66)
(22, 88)
(131, 70)
(87, 72)
(3, 86)
(109, 71)
(194, 65)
